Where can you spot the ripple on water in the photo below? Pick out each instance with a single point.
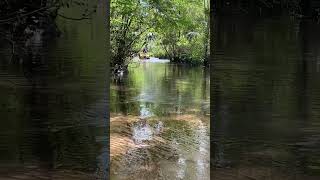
(153, 145)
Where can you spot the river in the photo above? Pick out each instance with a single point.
(265, 99)
(265, 108)
(53, 104)
(159, 125)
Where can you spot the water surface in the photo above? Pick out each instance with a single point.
(266, 99)
(160, 122)
(53, 104)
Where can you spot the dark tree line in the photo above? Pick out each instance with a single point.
(16, 15)
(24, 21)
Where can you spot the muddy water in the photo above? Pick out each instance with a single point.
(160, 123)
(266, 100)
(53, 104)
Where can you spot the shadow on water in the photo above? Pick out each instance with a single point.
(160, 123)
(53, 106)
(266, 99)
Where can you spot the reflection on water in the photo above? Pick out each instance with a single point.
(53, 104)
(144, 112)
(160, 123)
(141, 132)
(266, 100)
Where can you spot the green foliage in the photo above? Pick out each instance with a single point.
(182, 34)
(174, 29)
(128, 23)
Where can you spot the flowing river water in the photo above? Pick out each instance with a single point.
(159, 126)
(265, 105)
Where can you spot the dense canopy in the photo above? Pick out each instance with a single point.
(176, 29)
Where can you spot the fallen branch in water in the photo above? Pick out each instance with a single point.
(70, 18)
(78, 19)
(3, 21)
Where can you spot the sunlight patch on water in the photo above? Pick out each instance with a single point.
(145, 112)
(151, 60)
(157, 60)
(142, 132)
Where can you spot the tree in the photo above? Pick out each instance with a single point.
(178, 27)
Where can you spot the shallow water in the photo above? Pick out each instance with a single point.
(160, 122)
(53, 104)
(266, 100)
